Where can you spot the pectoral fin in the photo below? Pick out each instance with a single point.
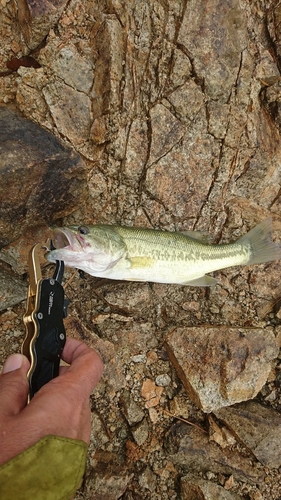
(202, 281)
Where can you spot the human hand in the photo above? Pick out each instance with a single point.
(61, 407)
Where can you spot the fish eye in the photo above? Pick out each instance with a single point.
(83, 230)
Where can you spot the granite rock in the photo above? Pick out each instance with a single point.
(257, 427)
(41, 179)
(13, 289)
(220, 366)
(200, 489)
(190, 448)
(130, 408)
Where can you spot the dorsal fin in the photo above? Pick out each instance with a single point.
(202, 236)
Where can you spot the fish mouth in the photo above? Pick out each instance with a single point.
(64, 238)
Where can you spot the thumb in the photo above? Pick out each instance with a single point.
(14, 385)
(14, 362)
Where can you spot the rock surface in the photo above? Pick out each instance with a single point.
(29, 23)
(41, 179)
(175, 109)
(13, 289)
(258, 428)
(132, 410)
(191, 448)
(200, 489)
(107, 483)
(220, 366)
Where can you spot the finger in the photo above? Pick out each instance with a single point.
(63, 369)
(86, 366)
(14, 385)
(65, 399)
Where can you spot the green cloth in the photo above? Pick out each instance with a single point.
(51, 469)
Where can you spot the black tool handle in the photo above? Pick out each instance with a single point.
(49, 342)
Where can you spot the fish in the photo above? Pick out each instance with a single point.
(144, 254)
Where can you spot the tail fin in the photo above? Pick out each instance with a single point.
(262, 247)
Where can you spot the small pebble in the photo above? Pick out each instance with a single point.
(139, 358)
(163, 380)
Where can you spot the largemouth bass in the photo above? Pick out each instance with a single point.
(139, 254)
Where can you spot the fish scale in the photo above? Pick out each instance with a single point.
(181, 248)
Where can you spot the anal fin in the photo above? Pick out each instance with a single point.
(202, 281)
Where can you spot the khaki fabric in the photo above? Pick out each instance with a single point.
(51, 469)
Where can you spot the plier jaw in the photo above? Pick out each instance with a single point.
(43, 319)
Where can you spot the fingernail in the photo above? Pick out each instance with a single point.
(14, 362)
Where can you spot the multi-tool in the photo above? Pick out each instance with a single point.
(43, 319)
